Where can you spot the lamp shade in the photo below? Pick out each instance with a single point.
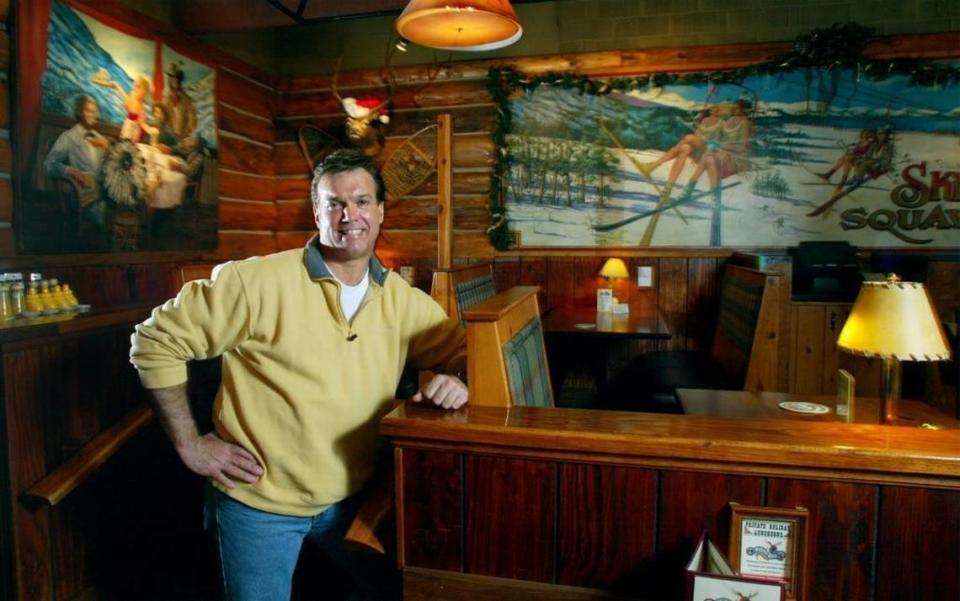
(614, 268)
(894, 320)
(460, 25)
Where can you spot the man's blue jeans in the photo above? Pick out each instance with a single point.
(259, 550)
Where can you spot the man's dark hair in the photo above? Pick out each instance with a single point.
(81, 101)
(340, 161)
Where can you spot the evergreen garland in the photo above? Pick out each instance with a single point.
(832, 48)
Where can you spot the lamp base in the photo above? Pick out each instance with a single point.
(890, 391)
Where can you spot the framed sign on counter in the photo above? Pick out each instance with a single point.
(770, 543)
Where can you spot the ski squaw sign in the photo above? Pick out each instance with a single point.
(771, 159)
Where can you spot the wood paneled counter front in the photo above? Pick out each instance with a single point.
(89, 487)
(616, 501)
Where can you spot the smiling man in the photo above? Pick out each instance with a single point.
(313, 342)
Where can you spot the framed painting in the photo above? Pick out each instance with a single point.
(123, 156)
(759, 157)
(770, 543)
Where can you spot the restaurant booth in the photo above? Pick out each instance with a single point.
(668, 230)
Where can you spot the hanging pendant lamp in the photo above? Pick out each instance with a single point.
(460, 25)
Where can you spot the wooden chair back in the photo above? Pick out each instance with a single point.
(746, 340)
(506, 357)
(460, 288)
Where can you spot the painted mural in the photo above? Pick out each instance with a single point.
(771, 160)
(126, 152)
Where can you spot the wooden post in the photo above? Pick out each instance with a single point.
(441, 288)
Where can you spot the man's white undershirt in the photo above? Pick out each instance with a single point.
(352, 296)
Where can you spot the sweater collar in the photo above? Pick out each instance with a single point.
(317, 268)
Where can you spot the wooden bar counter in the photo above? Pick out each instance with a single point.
(614, 502)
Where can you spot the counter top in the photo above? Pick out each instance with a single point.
(858, 452)
(19, 328)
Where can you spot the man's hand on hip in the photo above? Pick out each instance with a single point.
(222, 461)
(443, 391)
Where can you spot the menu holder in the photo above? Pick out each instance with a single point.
(710, 577)
(770, 543)
(846, 384)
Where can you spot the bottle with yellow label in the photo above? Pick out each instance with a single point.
(69, 296)
(32, 299)
(47, 301)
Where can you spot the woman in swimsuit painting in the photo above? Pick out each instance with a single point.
(135, 127)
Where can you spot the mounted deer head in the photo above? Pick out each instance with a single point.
(364, 119)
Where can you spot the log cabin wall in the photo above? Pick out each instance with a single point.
(264, 181)
(685, 282)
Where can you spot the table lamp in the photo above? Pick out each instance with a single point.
(613, 269)
(896, 322)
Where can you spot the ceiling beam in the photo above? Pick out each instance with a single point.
(211, 16)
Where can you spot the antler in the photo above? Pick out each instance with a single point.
(333, 84)
(386, 101)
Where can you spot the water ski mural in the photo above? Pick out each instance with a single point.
(768, 160)
(125, 157)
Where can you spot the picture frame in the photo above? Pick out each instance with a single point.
(119, 148)
(706, 587)
(771, 543)
(710, 577)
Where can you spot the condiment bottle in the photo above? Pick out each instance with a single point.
(17, 298)
(32, 299)
(6, 306)
(46, 297)
(69, 296)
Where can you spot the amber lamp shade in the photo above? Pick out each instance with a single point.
(459, 25)
(613, 269)
(894, 321)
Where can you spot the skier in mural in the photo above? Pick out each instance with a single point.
(720, 149)
(876, 162)
(854, 154)
(868, 159)
(690, 147)
(726, 155)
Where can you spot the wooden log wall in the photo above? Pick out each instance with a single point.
(685, 279)
(6, 154)
(264, 179)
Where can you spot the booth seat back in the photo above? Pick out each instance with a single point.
(459, 289)
(506, 357)
(748, 326)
